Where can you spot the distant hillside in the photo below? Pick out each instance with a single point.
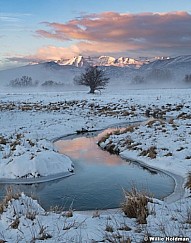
(170, 71)
(163, 72)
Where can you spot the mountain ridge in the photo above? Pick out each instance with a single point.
(160, 71)
(81, 61)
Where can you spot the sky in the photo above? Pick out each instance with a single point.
(43, 30)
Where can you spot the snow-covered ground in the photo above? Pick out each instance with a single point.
(29, 123)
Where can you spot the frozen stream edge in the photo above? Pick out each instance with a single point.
(35, 180)
(178, 192)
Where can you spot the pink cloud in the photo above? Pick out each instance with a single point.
(113, 27)
(55, 53)
(111, 32)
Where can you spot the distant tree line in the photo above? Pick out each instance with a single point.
(154, 74)
(26, 81)
(51, 83)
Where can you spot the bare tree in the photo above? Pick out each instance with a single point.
(93, 77)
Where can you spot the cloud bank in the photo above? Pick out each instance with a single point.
(117, 34)
(112, 32)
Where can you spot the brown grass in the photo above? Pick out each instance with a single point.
(116, 237)
(15, 223)
(69, 213)
(188, 182)
(135, 205)
(112, 149)
(3, 140)
(109, 228)
(150, 152)
(129, 129)
(171, 121)
(10, 194)
(104, 138)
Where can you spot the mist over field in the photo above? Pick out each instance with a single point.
(56, 75)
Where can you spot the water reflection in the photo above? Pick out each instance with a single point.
(99, 178)
(85, 148)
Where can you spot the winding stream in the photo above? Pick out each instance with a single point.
(99, 177)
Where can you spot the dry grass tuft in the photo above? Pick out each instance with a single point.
(188, 182)
(116, 238)
(150, 152)
(109, 228)
(56, 209)
(3, 140)
(69, 213)
(15, 223)
(129, 129)
(135, 205)
(10, 194)
(96, 214)
(104, 138)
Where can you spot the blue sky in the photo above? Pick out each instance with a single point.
(50, 29)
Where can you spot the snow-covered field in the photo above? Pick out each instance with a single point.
(29, 123)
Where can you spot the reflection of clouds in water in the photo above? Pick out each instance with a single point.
(87, 148)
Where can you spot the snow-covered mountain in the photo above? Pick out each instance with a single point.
(120, 62)
(80, 61)
(164, 72)
(175, 62)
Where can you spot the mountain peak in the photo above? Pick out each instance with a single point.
(81, 61)
(78, 61)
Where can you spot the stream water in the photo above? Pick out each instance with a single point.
(100, 178)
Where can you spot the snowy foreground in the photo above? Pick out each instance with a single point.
(29, 123)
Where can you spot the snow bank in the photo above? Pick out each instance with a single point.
(26, 157)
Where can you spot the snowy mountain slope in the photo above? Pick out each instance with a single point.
(177, 64)
(163, 72)
(170, 71)
(120, 62)
(80, 61)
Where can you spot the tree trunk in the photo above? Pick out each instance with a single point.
(92, 91)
